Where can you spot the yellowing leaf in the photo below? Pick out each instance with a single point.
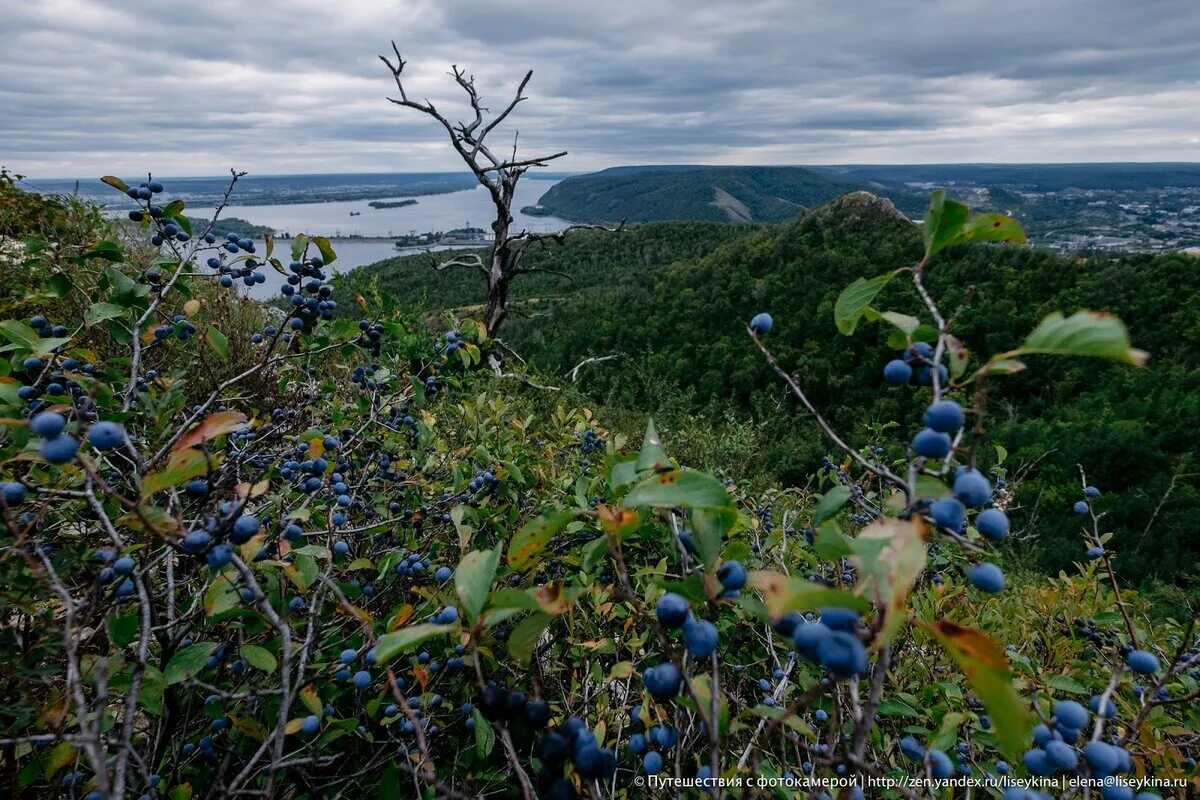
(783, 593)
(988, 671)
(214, 425)
(182, 465)
(890, 556)
(222, 595)
(534, 536)
(308, 696)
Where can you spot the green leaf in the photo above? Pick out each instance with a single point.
(702, 688)
(62, 755)
(784, 593)
(679, 488)
(988, 671)
(785, 716)
(188, 662)
(473, 579)
(44, 347)
(524, 637)
(221, 596)
(830, 543)
(932, 488)
(106, 250)
(957, 356)
(830, 504)
(854, 301)
(891, 707)
(391, 645)
(123, 628)
(19, 334)
(623, 473)
(906, 324)
(173, 208)
(60, 284)
(299, 245)
(1001, 454)
(217, 341)
(98, 312)
(944, 222)
(327, 254)
(947, 732)
(652, 455)
(533, 537)
(259, 658)
(1084, 333)
(510, 597)
(153, 686)
(26, 339)
(115, 182)
(1065, 683)
(1001, 367)
(120, 334)
(992, 228)
(123, 287)
(485, 736)
(897, 340)
(593, 552)
(709, 526)
(418, 390)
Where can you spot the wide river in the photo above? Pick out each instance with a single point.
(436, 212)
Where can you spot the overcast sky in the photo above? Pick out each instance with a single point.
(89, 87)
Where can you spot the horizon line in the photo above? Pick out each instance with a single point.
(534, 175)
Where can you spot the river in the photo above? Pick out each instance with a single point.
(435, 212)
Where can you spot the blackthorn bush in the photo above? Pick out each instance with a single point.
(345, 558)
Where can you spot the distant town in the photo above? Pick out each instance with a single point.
(1072, 219)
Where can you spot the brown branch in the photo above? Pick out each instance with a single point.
(878, 470)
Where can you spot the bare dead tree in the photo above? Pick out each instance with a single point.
(498, 174)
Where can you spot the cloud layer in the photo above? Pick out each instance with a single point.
(278, 86)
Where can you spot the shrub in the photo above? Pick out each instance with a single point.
(387, 567)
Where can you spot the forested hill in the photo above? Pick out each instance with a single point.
(672, 299)
(718, 194)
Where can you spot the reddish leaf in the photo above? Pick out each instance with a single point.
(214, 425)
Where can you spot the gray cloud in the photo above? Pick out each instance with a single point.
(95, 86)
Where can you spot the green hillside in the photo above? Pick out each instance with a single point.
(588, 260)
(673, 302)
(291, 555)
(718, 194)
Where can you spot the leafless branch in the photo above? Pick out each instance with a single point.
(878, 470)
(573, 373)
(496, 174)
(469, 260)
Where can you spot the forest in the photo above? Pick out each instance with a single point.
(668, 299)
(806, 524)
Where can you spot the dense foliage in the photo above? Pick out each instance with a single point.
(672, 308)
(723, 194)
(285, 554)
